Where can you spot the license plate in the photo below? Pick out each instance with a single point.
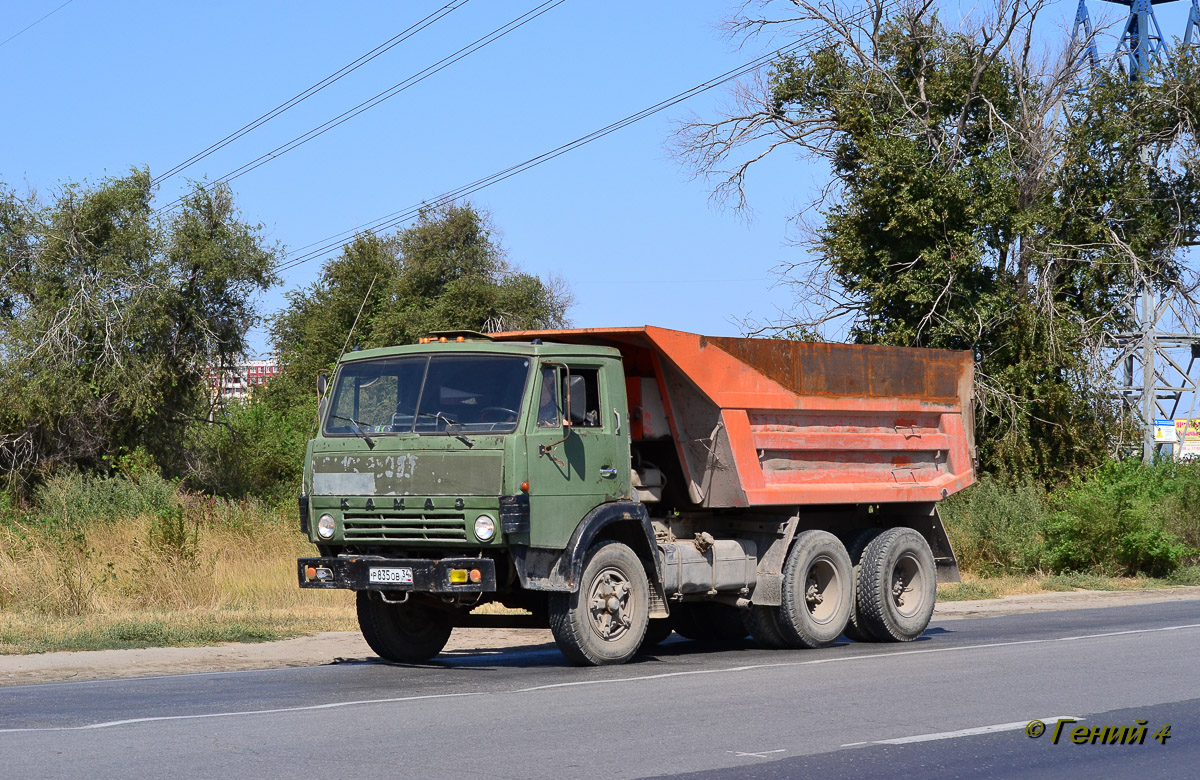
(402, 576)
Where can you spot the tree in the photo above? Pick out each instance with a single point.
(445, 272)
(982, 198)
(111, 319)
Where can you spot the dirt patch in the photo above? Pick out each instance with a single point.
(332, 647)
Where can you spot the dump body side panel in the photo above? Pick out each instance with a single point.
(761, 422)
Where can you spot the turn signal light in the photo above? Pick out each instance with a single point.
(458, 576)
(310, 573)
(476, 576)
(524, 487)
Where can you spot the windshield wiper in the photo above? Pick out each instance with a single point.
(456, 434)
(358, 429)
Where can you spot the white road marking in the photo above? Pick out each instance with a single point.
(762, 754)
(642, 678)
(850, 659)
(157, 718)
(972, 732)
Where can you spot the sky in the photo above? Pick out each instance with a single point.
(103, 87)
(97, 88)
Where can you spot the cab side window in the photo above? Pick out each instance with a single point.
(548, 405)
(583, 386)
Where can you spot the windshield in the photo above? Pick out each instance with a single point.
(442, 394)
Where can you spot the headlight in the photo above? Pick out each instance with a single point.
(485, 528)
(325, 527)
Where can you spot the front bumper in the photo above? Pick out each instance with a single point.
(353, 572)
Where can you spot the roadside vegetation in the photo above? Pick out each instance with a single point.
(979, 200)
(1124, 525)
(103, 562)
(134, 560)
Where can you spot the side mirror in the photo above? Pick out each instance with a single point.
(576, 398)
(322, 401)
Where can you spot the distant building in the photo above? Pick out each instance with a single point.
(239, 380)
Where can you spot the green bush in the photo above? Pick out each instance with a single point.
(76, 499)
(1123, 519)
(1127, 518)
(996, 526)
(1114, 522)
(173, 538)
(254, 448)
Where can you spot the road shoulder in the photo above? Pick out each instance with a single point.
(336, 647)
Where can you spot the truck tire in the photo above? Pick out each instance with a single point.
(897, 584)
(604, 621)
(855, 629)
(818, 591)
(408, 633)
(760, 622)
(708, 622)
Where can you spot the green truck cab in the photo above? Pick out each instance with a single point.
(469, 469)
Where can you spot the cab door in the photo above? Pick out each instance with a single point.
(574, 468)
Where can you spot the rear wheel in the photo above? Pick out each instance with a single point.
(856, 629)
(760, 622)
(897, 583)
(407, 633)
(604, 621)
(818, 591)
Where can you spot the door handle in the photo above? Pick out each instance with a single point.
(608, 473)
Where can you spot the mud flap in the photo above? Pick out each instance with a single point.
(768, 590)
(545, 569)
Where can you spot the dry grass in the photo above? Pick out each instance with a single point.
(976, 587)
(37, 633)
(202, 571)
(226, 572)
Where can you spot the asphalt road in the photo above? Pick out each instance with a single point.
(954, 703)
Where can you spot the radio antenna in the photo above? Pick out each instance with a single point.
(356, 316)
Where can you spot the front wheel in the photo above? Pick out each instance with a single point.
(407, 633)
(605, 620)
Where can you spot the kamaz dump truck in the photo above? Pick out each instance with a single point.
(619, 484)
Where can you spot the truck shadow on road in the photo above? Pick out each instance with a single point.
(675, 649)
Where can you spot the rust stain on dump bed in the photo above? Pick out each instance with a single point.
(810, 368)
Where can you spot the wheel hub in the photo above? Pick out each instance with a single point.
(822, 589)
(609, 605)
(908, 586)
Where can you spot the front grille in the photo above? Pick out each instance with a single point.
(390, 527)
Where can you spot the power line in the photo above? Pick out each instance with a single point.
(326, 245)
(391, 92)
(34, 24)
(350, 67)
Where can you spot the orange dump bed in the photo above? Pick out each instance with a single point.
(770, 422)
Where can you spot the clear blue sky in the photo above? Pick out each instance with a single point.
(99, 87)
